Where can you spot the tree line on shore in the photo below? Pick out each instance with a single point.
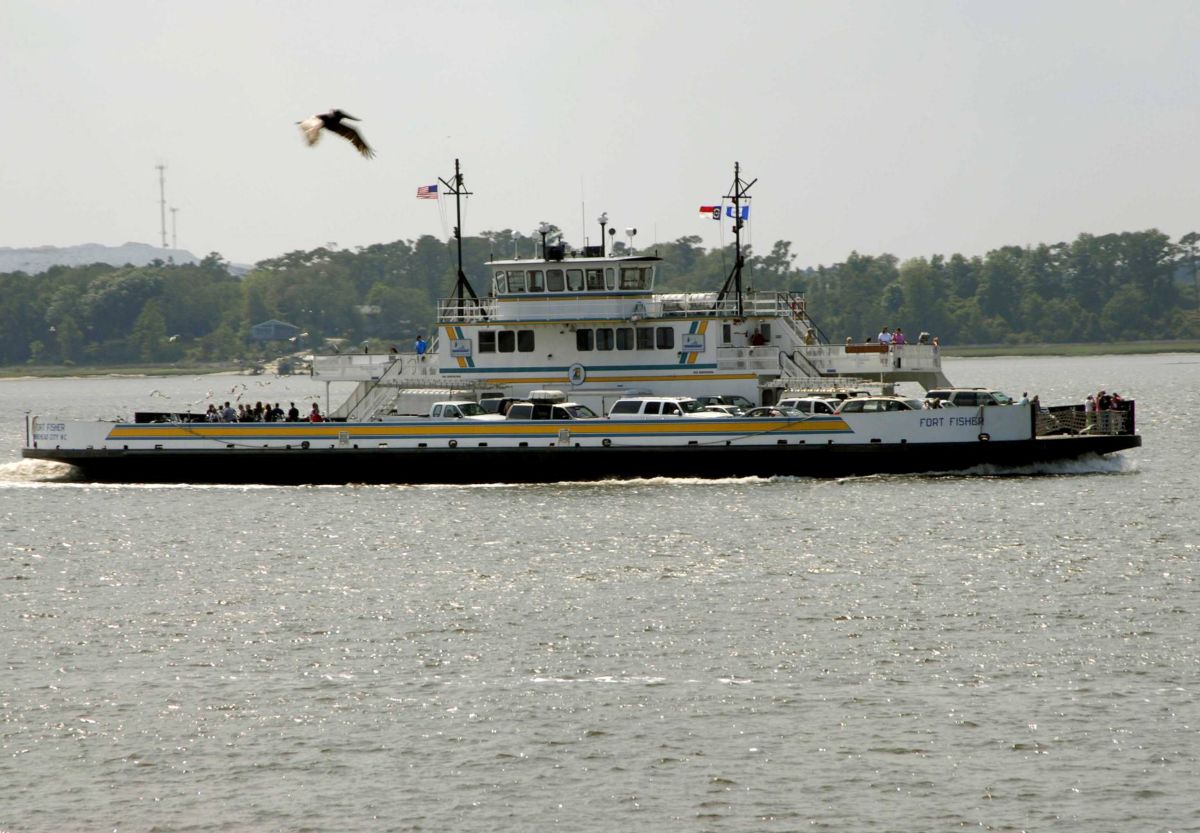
(1097, 288)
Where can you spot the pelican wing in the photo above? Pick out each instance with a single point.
(311, 128)
(352, 136)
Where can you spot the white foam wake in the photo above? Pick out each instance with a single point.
(35, 471)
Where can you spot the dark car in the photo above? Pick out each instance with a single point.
(773, 411)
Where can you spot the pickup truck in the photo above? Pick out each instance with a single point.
(461, 409)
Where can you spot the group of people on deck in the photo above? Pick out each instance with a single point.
(887, 336)
(1103, 401)
(260, 412)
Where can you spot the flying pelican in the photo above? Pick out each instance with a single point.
(311, 128)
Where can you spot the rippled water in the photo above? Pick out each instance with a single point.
(902, 653)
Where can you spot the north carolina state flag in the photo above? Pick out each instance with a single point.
(713, 211)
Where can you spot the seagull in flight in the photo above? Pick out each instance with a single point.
(333, 120)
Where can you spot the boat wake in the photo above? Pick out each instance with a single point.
(36, 471)
(1089, 464)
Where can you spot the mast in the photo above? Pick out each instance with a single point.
(462, 287)
(738, 192)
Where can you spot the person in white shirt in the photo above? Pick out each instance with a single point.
(885, 336)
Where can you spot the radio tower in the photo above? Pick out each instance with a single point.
(162, 201)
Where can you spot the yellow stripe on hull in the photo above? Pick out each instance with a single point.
(236, 432)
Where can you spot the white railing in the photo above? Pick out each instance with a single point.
(670, 305)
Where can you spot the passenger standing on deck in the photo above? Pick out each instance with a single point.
(885, 336)
(899, 338)
(421, 346)
(293, 414)
(315, 415)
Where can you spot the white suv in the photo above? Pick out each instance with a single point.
(810, 404)
(662, 407)
(966, 397)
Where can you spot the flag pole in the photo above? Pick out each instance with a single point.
(739, 191)
(462, 287)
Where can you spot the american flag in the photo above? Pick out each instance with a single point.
(427, 192)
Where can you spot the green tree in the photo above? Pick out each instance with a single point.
(149, 332)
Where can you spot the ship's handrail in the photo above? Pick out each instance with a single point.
(1073, 419)
(662, 305)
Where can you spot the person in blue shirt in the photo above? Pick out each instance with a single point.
(421, 345)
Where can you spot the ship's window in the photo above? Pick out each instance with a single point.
(508, 341)
(645, 338)
(652, 407)
(624, 338)
(525, 341)
(516, 281)
(634, 277)
(536, 284)
(665, 338)
(574, 280)
(610, 278)
(604, 338)
(554, 280)
(487, 341)
(583, 339)
(726, 333)
(501, 283)
(595, 279)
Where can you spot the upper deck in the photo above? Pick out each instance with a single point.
(558, 287)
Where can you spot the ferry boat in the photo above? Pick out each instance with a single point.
(588, 325)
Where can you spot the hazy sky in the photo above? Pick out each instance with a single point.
(904, 127)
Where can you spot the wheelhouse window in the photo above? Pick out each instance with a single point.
(555, 281)
(487, 341)
(501, 283)
(584, 340)
(604, 338)
(595, 279)
(610, 278)
(535, 280)
(665, 338)
(635, 277)
(624, 338)
(516, 280)
(645, 338)
(575, 280)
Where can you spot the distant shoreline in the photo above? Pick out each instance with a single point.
(64, 371)
(1113, 348)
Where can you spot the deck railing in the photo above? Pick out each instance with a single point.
(1073, 419)
(669, 305)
